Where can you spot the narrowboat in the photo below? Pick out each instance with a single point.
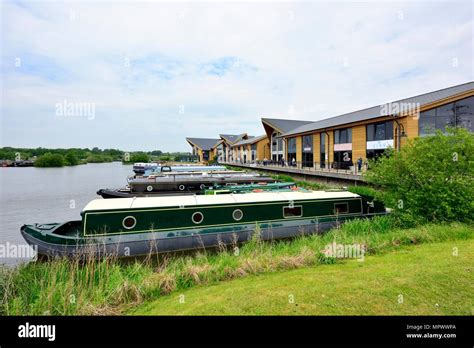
(213, 190)
(140, 226)
(141, 168)
(193, 181)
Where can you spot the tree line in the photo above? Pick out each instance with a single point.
(58, 157)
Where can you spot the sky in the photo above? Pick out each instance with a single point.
(144, 75)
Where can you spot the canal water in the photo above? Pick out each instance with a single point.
(29, 195)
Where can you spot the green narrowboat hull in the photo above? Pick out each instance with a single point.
(153, 229)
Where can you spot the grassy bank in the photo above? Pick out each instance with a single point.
(112, 287)
(416, 280)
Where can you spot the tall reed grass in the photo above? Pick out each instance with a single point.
(112, 286)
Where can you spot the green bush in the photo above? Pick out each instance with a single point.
(430, 179)
(96, 158)
(364, 190)
(71, 159)
(50, 160)
(137, 157)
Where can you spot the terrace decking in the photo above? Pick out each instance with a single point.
(330, 173)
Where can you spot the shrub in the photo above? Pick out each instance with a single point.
(430, 179)
(138, 157)
(50, 160)
(71, 159)
(96, 158)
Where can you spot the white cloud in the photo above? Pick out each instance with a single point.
(322, 58)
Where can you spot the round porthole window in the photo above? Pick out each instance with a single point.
(149, 188)
(202, 187)
(237, 214)
(129, 222)
(197, 217)
(181, 187)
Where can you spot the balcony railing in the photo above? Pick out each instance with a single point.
(311, 167)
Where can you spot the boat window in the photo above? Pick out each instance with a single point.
(237, 214)
(292, 211)
(197, 217)
(341, 208)
(129, 222)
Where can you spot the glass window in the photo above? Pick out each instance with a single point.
(237, 214)
(370, 132)
(343, 136)
(291, 153)
(295, 211)
(445, 117)
(427, 122)
(129, 222)
(197, 217)
(308, 143)
(322, 144)
(291, 144)
(380, 131)
(341, 208)
(457, 114)
(388, 130)
(465, 113)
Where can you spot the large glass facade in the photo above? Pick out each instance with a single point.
(380, 131)
(307, 151)
(342, 159)
(322, 150)
(379, 137)
(342, 153)
(457, 114)
(343, 136)
(276, 147)
(291, 152)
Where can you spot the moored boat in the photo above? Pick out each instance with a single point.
(141, 168)
(193, 181)
(213, 190)
(138, 226)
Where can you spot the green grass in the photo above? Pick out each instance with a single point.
(427, 278)
(109, 286)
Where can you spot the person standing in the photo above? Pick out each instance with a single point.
(359, 164)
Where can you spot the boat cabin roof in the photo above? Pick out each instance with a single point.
(197, 200)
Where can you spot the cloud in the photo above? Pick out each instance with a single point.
(158, 72)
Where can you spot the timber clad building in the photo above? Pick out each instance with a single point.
(204, 148)
(337, 143)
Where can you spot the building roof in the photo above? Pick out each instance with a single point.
(197, 200)
(250, 140)
(377, 111)
(232, 138)
(283, 125)
(203, 143)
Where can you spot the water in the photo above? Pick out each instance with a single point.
(29, 195)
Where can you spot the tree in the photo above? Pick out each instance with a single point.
(50, 160)
(431, 178)
(71, 159)
(139, 157)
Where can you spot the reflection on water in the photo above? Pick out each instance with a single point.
(29, 195)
